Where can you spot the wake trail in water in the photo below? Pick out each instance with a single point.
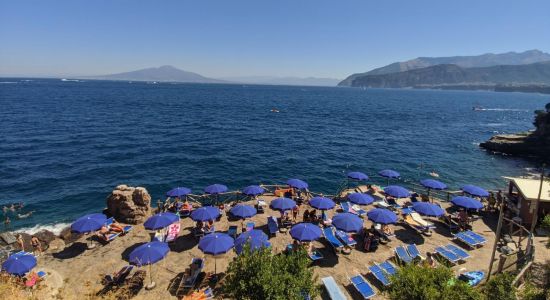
(500, 109)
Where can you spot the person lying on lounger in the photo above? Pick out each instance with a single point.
(103, 233)
(115, 227)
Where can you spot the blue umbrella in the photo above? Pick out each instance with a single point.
(255, 239)
(215, 189)
(467, 202)
(433, 184)
(397, 191)
(360, 198)
(205, 213)
(358, 176)
(297, 183)
(283, 204)
(149, 253)
(243, 211)
(89, 223)
(305, 232)
(178, 192)
(321, 203)
(389, 174)
(253, 190)
(475, 190)
(161, 220)
(19, 264)
(216, 243)
(428, 209)
(347, 222)
(382, 216)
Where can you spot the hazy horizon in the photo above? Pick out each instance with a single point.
(248, 38)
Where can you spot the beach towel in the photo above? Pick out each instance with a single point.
(173, 232)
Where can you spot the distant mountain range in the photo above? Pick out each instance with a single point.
(273, 80)
(160, 74)
(485, 60)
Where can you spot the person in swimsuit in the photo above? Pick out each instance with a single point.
(36, 245)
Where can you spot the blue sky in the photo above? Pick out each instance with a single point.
(241, 38)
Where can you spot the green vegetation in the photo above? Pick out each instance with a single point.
(418, 282)
(262, 275)
(531, 292)
(546, 225)
(500, 287)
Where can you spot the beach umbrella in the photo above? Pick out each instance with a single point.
(205, 213)
(215, 244)
(321, 203)
(347, 222)
(215, 189)
(389, 174)
(283, 204)
(297, 183)
(255, 239)
(89, 223)
(433, 184)
(467, 202)
(397, 191)
(428, 209)
(358, 176)
(305, 232)
(161, 220)
(360, 198)
(243, 211)
(382, 216)
(19, 263)
(475, 190)
(178, 192)
(253, 190)
(148, 254)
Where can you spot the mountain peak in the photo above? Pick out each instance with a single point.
(165, 73)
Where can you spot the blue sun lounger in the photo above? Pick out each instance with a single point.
(272, 225)
(379, 274)
(413, 251)
(466, 239)
(388, 267)
(331, 238)
(403, 255)
(345, 238)
(316, 255)
(458, 251)
(362, 286)
(333, 290)
(476, 236)
(232, 231)
(448, 255)
(346, 207)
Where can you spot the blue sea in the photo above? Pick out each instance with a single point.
(64, 145)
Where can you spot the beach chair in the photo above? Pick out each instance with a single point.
(316, 255)
(333, 290)
(409, 221)
(272, 225)
(249, 226)
(118, 277)
(458, 251)
(451, 224)
(379, 274)
(382, 204)
(346, 238)
(402, 255)
(191, 275)
(393, 203)
(378, 228)
(109, 221)
(362, 286)
(326, 220)
(111, 237)
(413, 251)
(418, 218)
(390, 268)
(331, 238)
(232, 231)
(466, 239)
(476, 236)
(345, 206)
(358, 210)
(447, 255)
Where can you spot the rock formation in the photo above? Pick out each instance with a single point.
(129, 205)
(533, 143)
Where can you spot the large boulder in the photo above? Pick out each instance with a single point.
(131, 205)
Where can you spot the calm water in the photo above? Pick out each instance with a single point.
(65, 145)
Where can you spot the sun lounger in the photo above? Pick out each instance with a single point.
(447, 220)
(195, 268)
(458, 251)
(333, 290)
(466, 239)
(393, 203)
(260, 206)
(403, 255)
(119, 276)
(416, 216)
(413, 251)
(409, 221)
(345, 206)
(382, 204)
(109, 221)
(362, 286)
(378, 228)
(331, 238)
(345, 238)
(358, 210)
(326, 220)
(272, 225)
(477, 237)
(379, 274)
(448, 255)
(232, 231)
(389, 267)
(249, 226)
(316, 255)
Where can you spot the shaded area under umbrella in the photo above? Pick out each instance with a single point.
(148, 254)
(215, 244)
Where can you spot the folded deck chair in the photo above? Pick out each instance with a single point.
(362, 286)
(466, 239)
(345, 238)
(232, 231)
(389, 267)
(416, 216)
(379, 274)
(448, 255)
(249, 226)
(196, 266)
(458, 251)
(476, 236)
(413, 251)
(272, 225)
(333, 290)
(403, 255)
(331, 238)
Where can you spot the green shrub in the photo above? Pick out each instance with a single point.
(500, 287)
(261, 275)
(419, 282)
(531, 292)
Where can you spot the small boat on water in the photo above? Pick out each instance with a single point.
(477, 108)
(274, 110)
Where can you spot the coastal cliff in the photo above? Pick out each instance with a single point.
(533, 143)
